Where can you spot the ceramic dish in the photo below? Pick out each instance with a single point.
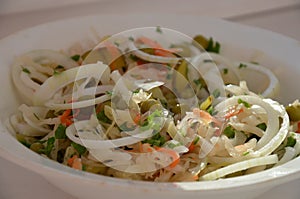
(279, 53)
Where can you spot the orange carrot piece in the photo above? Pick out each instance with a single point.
(172, 153)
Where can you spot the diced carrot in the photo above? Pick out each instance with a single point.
(233, 112)
(206, 116)
(172, 153)
(71, 160)
(149, 42)
(163, 53)
(137, 118)
(192, 147)
(75, 162)
(114, 53)
(158, 49)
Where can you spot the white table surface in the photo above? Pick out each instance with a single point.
(282, 16)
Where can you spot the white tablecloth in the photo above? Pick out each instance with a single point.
(281, 16)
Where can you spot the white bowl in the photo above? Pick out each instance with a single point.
(279, 53)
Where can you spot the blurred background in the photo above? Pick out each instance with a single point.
(281, 16)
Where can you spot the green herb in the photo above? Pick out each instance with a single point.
(25, 70)
(156, 140)
(225, 71)
(49, 147)
(151, 123)
(60, 132)
(291, 141)
(246, 153)
(131, 38)
(211, 110)
(158, 29)
(55, 72)
(213, 46)
(109, 93)
(75, 57)
(79, 148)
(229, 131)
(136, 91)
(242, 66)
(102, 117)
(216, 93)
(246, 104)
(262, 126)
(196, 140)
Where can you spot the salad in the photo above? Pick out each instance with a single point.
(138, 107)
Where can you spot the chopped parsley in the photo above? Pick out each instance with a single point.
(75, 57)
(262, 126)
(50, 144)
(156, 140)
(60, 132)
(133, 57)
(225, 71)
(213, 46)
(79, 148)
(246, 104)
(158, 29)
(242, 65)
(291, 141)
(25, 70)
(229, 131)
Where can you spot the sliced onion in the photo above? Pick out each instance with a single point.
(57, 82)
(240, 166)
(71, 132)
(273, 85)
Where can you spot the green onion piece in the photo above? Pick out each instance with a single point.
(79, 148)
(246, 104)
(49, 147)
(225, 71)
(262, 126)
(25, 70)
(291, 141)
(229, 131)
(60, 132)
(158, 29)
(242, 66)
(75, 57)
(213, 46)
